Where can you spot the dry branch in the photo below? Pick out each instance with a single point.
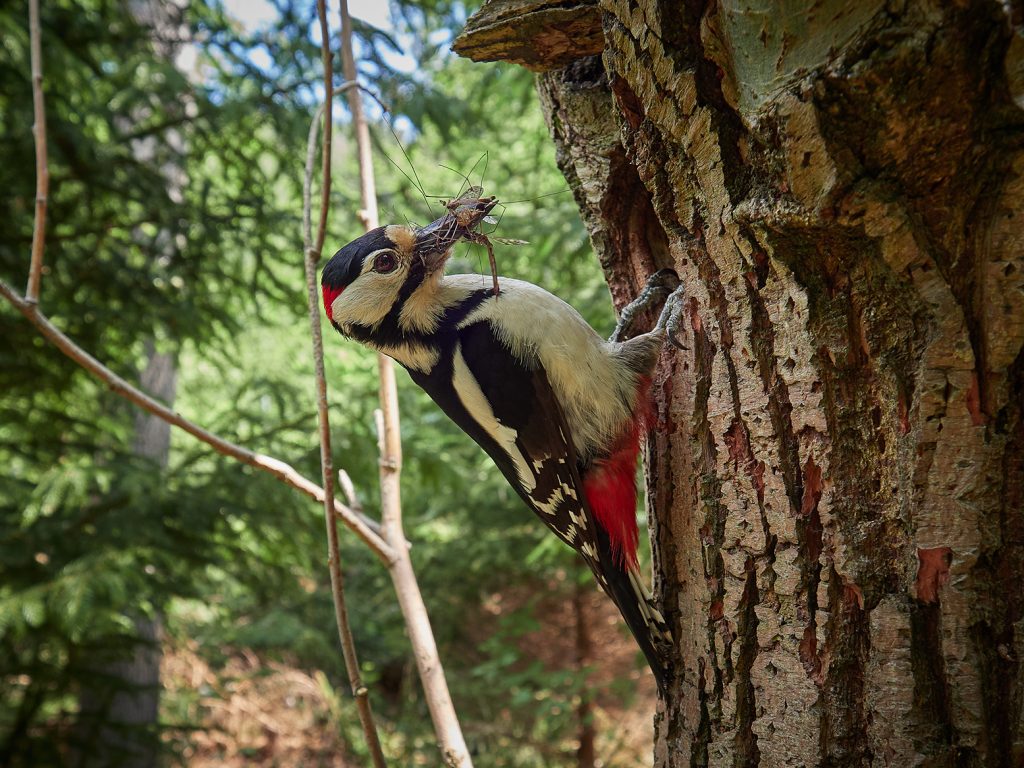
(414, 611)
(394, 551)
(367, 184)
(42, 166)
(366, 529)
(363, 527)
(312, 256)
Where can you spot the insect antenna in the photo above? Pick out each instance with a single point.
(458, 173)
(417, 183)
(472, 168)
(538, 197)
(483, 173)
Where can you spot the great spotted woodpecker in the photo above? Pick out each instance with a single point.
(558, 409)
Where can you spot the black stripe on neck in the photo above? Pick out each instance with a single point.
(390, 333)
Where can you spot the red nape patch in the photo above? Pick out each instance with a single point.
(330, 294)
(610, 486)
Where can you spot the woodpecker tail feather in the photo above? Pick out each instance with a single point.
(624, 585)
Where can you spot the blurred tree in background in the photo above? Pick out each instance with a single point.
(209, 271)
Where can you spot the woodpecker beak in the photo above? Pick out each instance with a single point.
(435, 241)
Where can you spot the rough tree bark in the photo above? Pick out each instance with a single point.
(836, 481)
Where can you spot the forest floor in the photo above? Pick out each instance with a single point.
(254, 711)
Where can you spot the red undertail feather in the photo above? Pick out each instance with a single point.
(610, 485)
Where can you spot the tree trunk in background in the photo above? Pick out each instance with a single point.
(837, 478)
(118, 716)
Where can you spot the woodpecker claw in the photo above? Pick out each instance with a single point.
(672, 315)
(659, 286)
(662, 285)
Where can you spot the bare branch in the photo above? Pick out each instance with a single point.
(307, 195)
(325, 151)
(312, 256)
(410, 599)
(366, 529)
(349, 489)
(42, 165)
(367, 185)
(428, 661)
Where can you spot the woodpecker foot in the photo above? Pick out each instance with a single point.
(659, 285)
(672, 316)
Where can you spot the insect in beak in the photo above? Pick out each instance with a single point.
(435, 241)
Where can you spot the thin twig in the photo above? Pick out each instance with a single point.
(428, 661)
(325, 150)
(349, 489)
(42, 165)
(307, 194)
(367, 185)
(365, 528)
(312, 256)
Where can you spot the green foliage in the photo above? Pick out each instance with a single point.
(174, 219)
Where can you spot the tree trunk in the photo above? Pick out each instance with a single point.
(118, 715)
(836, 481)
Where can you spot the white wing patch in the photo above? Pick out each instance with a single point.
(475, 403)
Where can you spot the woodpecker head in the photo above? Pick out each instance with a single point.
(363, 281)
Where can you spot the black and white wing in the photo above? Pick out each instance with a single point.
(507, 406)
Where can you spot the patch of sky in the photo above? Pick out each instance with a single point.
(256, 16)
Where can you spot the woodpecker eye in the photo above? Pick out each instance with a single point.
(384, 263)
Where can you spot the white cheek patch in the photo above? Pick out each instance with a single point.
(368, 299)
